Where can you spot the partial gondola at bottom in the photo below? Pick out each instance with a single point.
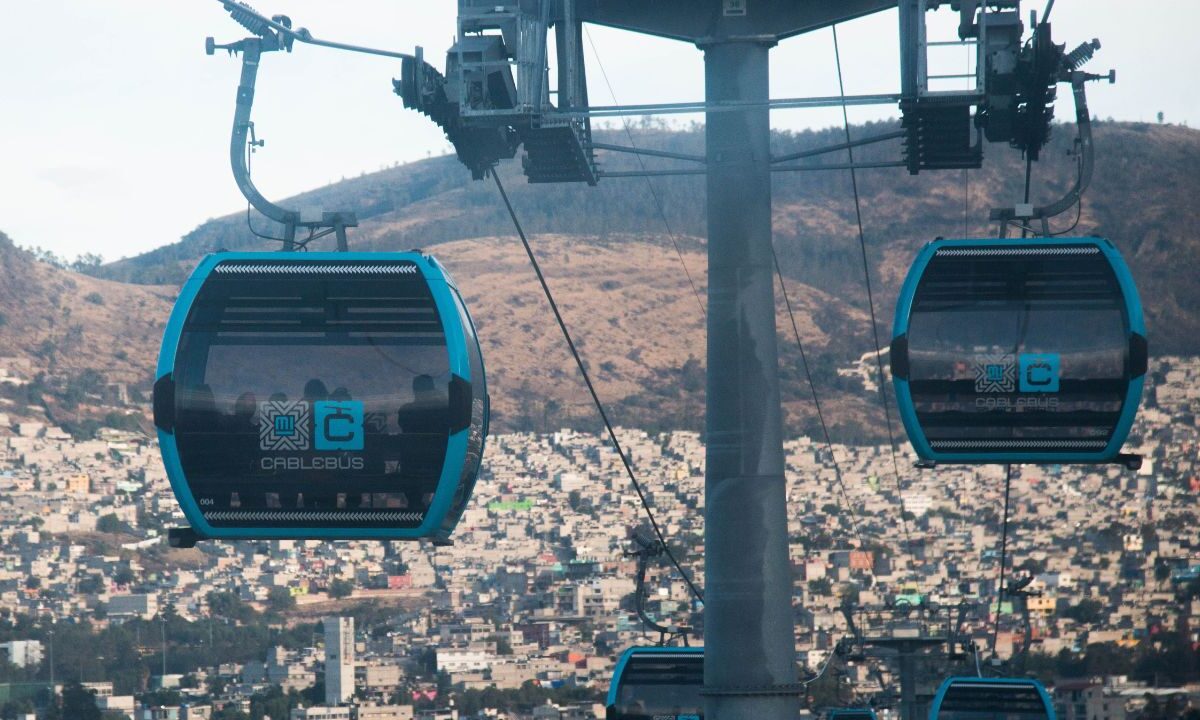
(975, 698)
(320, 395)
(851, 714)
(1019, 351)
(662, 683)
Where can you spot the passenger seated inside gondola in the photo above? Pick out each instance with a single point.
(314, 391)
(424, 427)
(201, 409)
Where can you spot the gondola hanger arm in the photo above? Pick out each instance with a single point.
(281, 27)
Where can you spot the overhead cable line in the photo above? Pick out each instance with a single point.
(821, 672)
(862, 243)
(1003, 556)
(649, 183)
(587, 379)
(837, 469)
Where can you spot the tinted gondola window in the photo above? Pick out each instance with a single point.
(1017, 349)
(306, 400)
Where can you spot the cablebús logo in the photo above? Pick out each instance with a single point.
(995, 374)
(283, 425)
(339, 425)
(1027, 373)
(1040, 372)
(329, 426)
(1031, 376)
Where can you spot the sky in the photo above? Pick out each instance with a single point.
(114, 124)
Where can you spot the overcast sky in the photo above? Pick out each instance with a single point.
(114, 124)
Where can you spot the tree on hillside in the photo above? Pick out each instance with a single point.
(110, 523)
(1086, 612)
(341, 588)
(280, 599)
(79, 703)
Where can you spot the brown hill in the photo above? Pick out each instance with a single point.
(640, 328)
(632, 312)
(1142, 198)
(620, 281)
(59, 324)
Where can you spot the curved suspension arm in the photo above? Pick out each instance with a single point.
(251, 53)
(640, 592)
(1083, 121)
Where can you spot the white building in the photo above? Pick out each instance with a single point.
(142, 605)
(454, 661)
(321, 713)
(22, 653)
(339, 661)
(384, 712)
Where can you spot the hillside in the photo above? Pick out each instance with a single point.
(621, 284)
(1142, 198)
(634, 315)
(61, 323)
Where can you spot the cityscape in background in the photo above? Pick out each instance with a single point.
(525, 613)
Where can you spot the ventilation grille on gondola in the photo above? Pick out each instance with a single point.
(998, 699)
(314, 516)
(1019, 251)
(665, 669)
(959, 278)
(334, 269)
(1018, 444)
(367, 302)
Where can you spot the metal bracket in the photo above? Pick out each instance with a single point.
(1042, 214)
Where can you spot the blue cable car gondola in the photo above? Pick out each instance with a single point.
(974, 698)
(1018, 351)
(320, 395)
(657, 682)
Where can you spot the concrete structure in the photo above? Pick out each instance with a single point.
(116, 704)
(1086, 699)
(339, 660)
(321, 713)
(142, 605)
(384, 712)
(22, 653)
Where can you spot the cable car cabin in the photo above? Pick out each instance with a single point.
(657, 682)
(974, 698)
(1021, 351)
(851, 714)
(320, 395)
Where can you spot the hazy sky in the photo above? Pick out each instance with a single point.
(114, 124)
